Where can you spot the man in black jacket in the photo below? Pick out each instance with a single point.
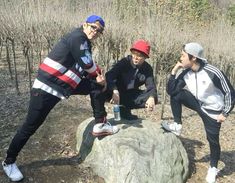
(124, 80)
(67, 70)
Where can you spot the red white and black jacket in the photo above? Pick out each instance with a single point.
(66, 65)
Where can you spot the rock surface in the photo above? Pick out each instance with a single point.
(139, 152)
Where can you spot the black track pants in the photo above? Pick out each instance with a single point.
(131, 99)
(212, 127)
(40, 105)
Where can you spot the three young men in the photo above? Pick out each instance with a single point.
(69, 69)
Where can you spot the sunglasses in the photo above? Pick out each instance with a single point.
(97, 29)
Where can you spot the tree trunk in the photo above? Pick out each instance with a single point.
(29, 69)
(15, 68)
(1, 45)
(164, 78)
(8, 59)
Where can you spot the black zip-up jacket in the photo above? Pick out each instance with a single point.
(124, 76)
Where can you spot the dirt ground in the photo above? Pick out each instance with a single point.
(50, 155)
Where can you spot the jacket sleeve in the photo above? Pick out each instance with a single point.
(175, 84)
(81, 50)
(221, 81)
(113, 74)
(150, 84)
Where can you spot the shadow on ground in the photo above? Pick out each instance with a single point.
(190, 146)
(228, 159)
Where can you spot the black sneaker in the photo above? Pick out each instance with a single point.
(126, 114)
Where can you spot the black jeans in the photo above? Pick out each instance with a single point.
(131, 99)
(212, 127)
(40, 105)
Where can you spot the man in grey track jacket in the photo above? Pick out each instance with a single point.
(204, 89)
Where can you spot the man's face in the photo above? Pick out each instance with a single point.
(186, 63)
(92, 30)
(138, 58)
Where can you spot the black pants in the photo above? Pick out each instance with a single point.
(131, 99)
(40, 105)
(212, 127)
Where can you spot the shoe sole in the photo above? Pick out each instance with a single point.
(177, 134)
(211, 182)
(101, 134)
(168, 130)
(16, 180)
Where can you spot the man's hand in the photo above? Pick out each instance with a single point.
(221, 118)
(115, 98)
(150, 104)
(100, 78)
(177, 66)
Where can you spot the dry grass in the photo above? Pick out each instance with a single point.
(162, 25)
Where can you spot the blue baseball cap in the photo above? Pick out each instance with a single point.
(95, 18)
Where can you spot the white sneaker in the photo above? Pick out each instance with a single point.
(211, 175)
(172, 127)
(101, 129)
(12, 171)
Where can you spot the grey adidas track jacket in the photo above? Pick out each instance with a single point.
(210, 87)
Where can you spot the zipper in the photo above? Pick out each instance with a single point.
(196, 85)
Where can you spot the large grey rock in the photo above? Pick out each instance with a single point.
(139, 153)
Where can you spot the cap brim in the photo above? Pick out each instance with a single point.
(147, 56)
(203, 59)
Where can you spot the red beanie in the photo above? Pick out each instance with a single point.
(142, 46)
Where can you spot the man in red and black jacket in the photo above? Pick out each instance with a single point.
(68, 69)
